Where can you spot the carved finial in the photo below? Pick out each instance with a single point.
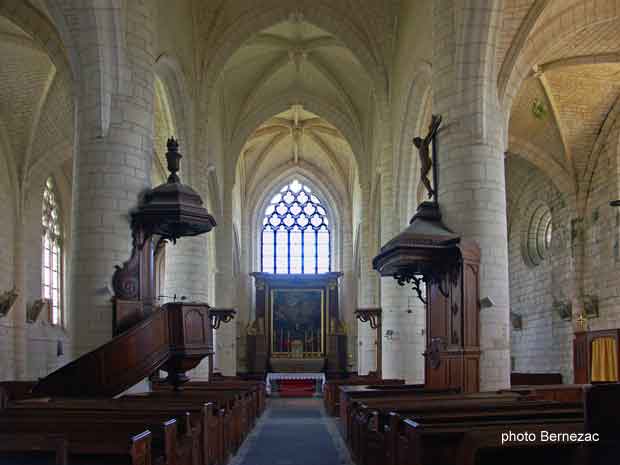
(173, 157)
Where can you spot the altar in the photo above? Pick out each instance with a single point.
(273, 378)
(297, 327)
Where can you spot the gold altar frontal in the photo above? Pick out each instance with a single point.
(297, 326)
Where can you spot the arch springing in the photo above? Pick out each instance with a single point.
(296, 235)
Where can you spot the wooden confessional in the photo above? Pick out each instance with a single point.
(444, 271)
(174, 337)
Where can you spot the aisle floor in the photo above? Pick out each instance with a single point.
(294, 431)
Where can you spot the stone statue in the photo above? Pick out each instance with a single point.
(426, 161)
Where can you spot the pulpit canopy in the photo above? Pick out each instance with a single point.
(425, 251)
(172, 210)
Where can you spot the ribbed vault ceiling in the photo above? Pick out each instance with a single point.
(297, 138)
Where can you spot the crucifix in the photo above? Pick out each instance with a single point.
(426, 162)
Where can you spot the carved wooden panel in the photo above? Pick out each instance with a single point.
(452, 351)
(115, 366)
(580, 358)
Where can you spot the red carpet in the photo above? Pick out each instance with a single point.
(296, 387)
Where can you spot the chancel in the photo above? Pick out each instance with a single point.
(309, 232)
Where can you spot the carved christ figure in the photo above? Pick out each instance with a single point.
(426, 161)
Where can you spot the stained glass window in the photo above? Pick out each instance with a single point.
(51, 264)
(296, 234)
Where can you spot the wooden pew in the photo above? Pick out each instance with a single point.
(234, 382)
(55, 445)
(235, 415)
(256, 390)
(173, 432)
(438, 430)
(351, 394)
(478, 440)
(135, 449)
(331, 396)
(534, 379)
(602, 404)
(365, 411)
(559, 392)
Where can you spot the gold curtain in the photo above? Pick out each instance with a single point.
(604, 359)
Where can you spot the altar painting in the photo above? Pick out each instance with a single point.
(297, 322)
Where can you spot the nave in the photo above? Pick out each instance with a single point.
(294, 431)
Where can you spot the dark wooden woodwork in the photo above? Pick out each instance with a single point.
(175, 338)
(331, 394)
(444, 271)
(581, 358)
(452, 333)
(529, 379)
(582, 352)
(558, 392)
(602, 402)
(202, 425)
(456, 429)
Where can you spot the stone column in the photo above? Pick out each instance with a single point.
(395, 329)
(187, 275)
(187, 269)
(113, 162)
(368, 290)
(18, 312)
(226, 288)
(472, 191)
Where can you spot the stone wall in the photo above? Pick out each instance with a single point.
(540, 346)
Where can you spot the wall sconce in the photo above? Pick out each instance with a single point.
(389, 334)
(486, 302)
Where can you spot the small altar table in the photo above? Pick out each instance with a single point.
(276, 376)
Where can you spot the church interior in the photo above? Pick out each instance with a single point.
(298, 232)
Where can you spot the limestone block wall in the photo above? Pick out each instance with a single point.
(7, 237)
(544, 344)
(600, 227)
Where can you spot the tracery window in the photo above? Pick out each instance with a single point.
(296, 232)
(51, 268)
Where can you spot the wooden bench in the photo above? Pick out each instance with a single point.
(559, 392)
(51, 445)
(204, 420)
(97, 431)
(366, 411)
(602, 403)
(533, 379)
(236, 413)
(351, 394)
(453, 430)
(331, 395)
(478, 440)
(119, 446)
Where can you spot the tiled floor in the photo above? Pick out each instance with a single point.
(294, 432)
